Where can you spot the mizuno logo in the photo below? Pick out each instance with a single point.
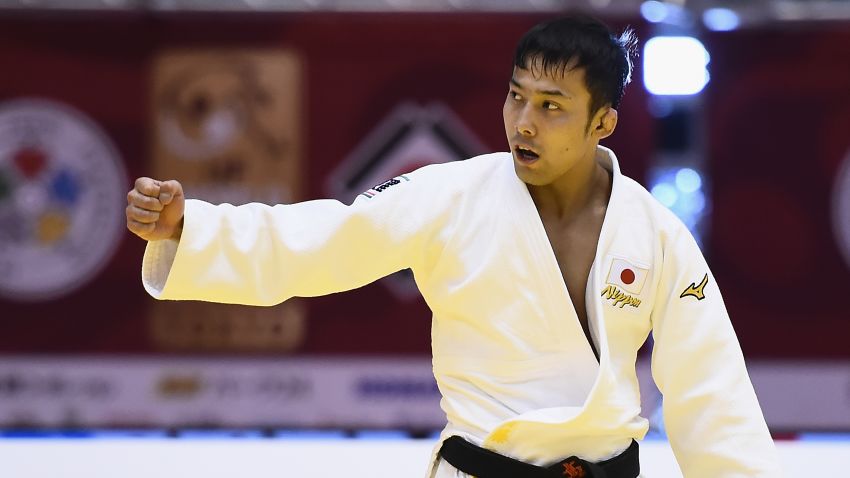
(697, 291)
(619, 297)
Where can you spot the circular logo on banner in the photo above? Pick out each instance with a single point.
(61, 199)
(841, 208)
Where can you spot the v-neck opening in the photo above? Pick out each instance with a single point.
(595, 320)
(554, 268)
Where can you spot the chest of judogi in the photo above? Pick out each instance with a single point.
(502, 310)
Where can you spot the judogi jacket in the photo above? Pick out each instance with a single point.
(516, 372)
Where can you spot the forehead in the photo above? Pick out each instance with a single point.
(568, 80)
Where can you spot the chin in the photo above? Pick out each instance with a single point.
(529, 178)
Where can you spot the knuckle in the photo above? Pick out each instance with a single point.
(146, 186)
(139, 214)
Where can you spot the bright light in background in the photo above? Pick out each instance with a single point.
(680, 189)
(720, 19)
(688, 180)
(653, 11)
(675, 65)
(666, 194)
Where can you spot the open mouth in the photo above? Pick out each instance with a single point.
(526, 154)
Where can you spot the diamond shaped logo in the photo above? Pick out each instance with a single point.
(410, 137)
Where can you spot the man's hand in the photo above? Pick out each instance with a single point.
(155, 209)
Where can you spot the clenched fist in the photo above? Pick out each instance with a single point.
(155, 209)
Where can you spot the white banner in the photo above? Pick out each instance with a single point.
(130, 392)
(385, 392)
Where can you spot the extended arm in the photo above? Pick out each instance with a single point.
(262, 255)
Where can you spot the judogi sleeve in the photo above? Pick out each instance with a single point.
(262, 255)
(711, 414)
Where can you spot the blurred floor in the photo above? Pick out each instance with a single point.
(213, 455)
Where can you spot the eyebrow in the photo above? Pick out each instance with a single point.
(542, 92)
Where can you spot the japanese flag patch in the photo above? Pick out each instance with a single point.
(627, 276)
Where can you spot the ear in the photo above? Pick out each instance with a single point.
(605, 122)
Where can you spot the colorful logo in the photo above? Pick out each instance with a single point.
(62, 196)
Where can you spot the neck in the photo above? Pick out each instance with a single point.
(585, 186)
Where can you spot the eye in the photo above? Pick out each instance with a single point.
(515, 96)
(548, 105)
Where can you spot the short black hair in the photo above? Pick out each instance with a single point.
(581, 41)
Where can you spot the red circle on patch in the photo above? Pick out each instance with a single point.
(627, 276)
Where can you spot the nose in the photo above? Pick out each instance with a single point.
(524, 124)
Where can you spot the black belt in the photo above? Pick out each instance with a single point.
(482, 463)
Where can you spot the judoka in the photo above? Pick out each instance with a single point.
(546, 270)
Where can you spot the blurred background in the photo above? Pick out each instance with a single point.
(737, 118)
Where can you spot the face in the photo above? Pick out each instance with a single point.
(546, 122)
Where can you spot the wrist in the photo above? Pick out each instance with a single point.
(178, 231)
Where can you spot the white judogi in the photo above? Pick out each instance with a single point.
(515, 369)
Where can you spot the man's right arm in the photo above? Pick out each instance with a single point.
(262, 255)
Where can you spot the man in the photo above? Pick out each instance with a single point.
(545, 269)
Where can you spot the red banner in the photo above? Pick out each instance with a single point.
(779, 126)
(358, 71)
